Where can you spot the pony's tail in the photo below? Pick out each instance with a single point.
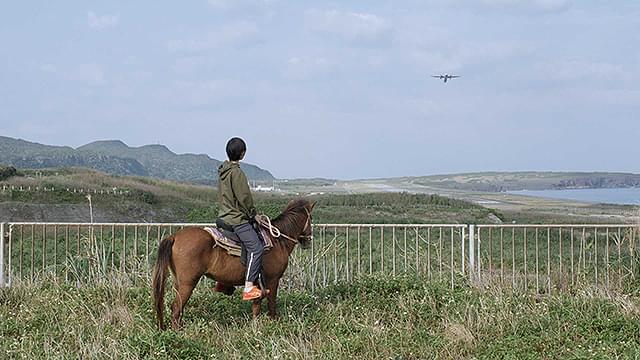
(160, 277)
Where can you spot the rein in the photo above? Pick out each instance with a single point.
(265, 222)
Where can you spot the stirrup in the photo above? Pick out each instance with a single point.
(252, 294)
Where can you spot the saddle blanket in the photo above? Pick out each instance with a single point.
(231, 243)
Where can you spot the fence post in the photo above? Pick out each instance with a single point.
(472, 259)
(2, 254)
(462, 238)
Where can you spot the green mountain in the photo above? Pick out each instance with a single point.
(117, 158)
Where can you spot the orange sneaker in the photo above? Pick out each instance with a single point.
(252, 294)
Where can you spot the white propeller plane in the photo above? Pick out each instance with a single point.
(445, 77)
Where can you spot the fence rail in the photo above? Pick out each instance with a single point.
(534, 258)
(89, 191)
(547, 258)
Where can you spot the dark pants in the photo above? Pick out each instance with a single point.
(255, 249)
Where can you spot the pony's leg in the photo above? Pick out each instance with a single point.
(273, 287)
(183, 293)
(255, 307)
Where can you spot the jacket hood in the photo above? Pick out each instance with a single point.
(224, 170)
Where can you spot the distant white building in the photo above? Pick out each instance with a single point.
(261, 188)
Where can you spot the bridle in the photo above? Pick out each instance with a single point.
(307, 225)
(265, 221)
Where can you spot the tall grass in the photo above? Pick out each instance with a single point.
(371, 318)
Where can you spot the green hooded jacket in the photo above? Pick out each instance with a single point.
(236, 202)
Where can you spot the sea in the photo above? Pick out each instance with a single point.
(624, 196)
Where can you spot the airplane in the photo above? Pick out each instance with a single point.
(445, 77)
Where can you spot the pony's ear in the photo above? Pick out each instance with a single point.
(312, 205)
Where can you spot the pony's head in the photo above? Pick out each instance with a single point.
(297, 218)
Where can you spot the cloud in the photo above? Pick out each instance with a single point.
(617, 97)
(546, 6)
(578, 70)
(48, 68)
(207, 93)
(90, 74)
(100, 22)
(234, 4)
(517, 6)
(448, 56)
(306, 67)
(188, 64)
(356, 28)
(239, 34)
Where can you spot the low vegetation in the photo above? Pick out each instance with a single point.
(154, 200)
(7, 172)
(399, 208)
(370, 318)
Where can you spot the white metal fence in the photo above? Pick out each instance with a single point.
(535, 258)
(547, 258)
(8, 188)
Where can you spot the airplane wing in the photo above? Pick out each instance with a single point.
(455, 76)
(437, 76)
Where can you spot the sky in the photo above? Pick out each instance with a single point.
(334, 89)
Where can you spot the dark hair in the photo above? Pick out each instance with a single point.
(235, 148)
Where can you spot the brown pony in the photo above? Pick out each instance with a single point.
(190, 254)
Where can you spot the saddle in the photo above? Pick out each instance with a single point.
(229, 241)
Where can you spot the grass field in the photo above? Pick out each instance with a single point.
(371, 318)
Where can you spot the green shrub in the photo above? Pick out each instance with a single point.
(146, 197)
(7, 172)
(203, 214)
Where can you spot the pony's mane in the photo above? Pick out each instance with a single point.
(292, 216)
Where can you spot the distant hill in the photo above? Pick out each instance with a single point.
(117, 158)
(527, 180)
